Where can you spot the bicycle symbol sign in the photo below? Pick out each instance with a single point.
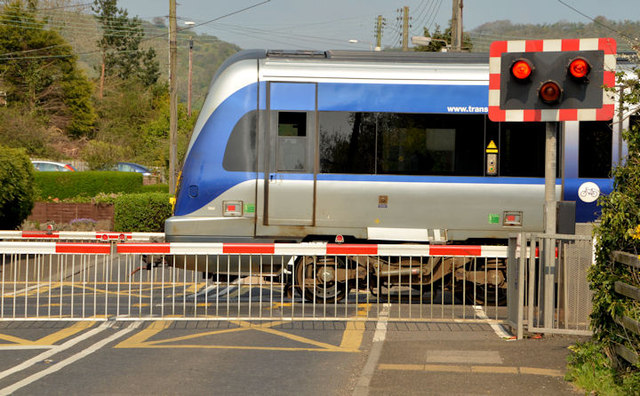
(588, 192)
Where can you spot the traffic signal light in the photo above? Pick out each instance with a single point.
(551, 80)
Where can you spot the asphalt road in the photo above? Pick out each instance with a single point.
(284, 358)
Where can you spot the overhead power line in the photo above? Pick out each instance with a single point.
(631, 40)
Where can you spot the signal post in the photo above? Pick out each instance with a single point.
(551, 81)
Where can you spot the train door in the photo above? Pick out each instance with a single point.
(289, 181)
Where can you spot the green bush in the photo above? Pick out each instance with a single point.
(16, 187)
(141, 212)
(64, 185)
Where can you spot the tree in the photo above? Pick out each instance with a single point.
(39, 71)
(120, 45)
(442, 40)
(18, 189)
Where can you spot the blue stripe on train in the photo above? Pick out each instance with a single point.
(400, 98)
(203, 166)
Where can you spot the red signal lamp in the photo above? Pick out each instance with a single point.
(521, 69)
(550, 92)
(579, 68)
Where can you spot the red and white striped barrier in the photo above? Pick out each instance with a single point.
(277, 249)
(82, 235)
(318, 249)
(53, 248)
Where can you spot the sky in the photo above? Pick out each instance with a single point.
(350, 24)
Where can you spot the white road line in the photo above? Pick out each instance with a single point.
(497, 328)
(19, 347)
(58, 366)
(54, 350)
(18, 292)
(362, 388)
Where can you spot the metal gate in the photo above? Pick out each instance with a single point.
(550, 291)
(215, 281)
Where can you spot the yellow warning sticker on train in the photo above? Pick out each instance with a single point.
(492, 148)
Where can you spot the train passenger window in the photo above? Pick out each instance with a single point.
(347, 142)
(240, 154)
(430, 144)
(292, 141)
(522, 147)
(594, 149)
(401, 144)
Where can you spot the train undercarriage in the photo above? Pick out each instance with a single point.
(329, 279)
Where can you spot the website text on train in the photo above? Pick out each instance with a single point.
(373, 148)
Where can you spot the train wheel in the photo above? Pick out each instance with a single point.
(486, 295)
(315, 279)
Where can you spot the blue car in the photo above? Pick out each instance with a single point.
(131, 167)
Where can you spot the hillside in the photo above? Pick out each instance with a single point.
(626, 33)
(82, 32)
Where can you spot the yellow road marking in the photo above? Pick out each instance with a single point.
(65, 333)
(50, 339)
(444, 368)
(541, 371)
(141, 339)
(15, 340)
(354, 331)
(46, 287)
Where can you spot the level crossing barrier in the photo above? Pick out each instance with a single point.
(226, 281)
(82, 236)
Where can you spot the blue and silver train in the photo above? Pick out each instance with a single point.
(307, 146)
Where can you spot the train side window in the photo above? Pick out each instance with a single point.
(522, 148)
(430, 144)
(292, 141)
(347, 142)
(594, 149)
(240, 154)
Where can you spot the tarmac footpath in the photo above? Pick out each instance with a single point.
(463, 359)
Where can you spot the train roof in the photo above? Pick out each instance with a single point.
(359, 56)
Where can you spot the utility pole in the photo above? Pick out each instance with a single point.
(405, 29)
(379, 24)
(456, 26)
(173, 96)
(190, 74)
(100, 93)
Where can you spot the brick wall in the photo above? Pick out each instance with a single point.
(65, 212)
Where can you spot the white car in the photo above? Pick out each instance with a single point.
(50, 166)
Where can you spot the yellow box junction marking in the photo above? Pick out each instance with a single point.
(141, 339)
(351, 338)
(50, 339)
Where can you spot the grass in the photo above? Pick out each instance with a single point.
(590, 369)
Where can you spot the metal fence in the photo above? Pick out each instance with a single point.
(550, 291)
(215, 281)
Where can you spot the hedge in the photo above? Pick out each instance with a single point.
(141, 212)
(17, 192)
(148, 188)
(63, 185)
